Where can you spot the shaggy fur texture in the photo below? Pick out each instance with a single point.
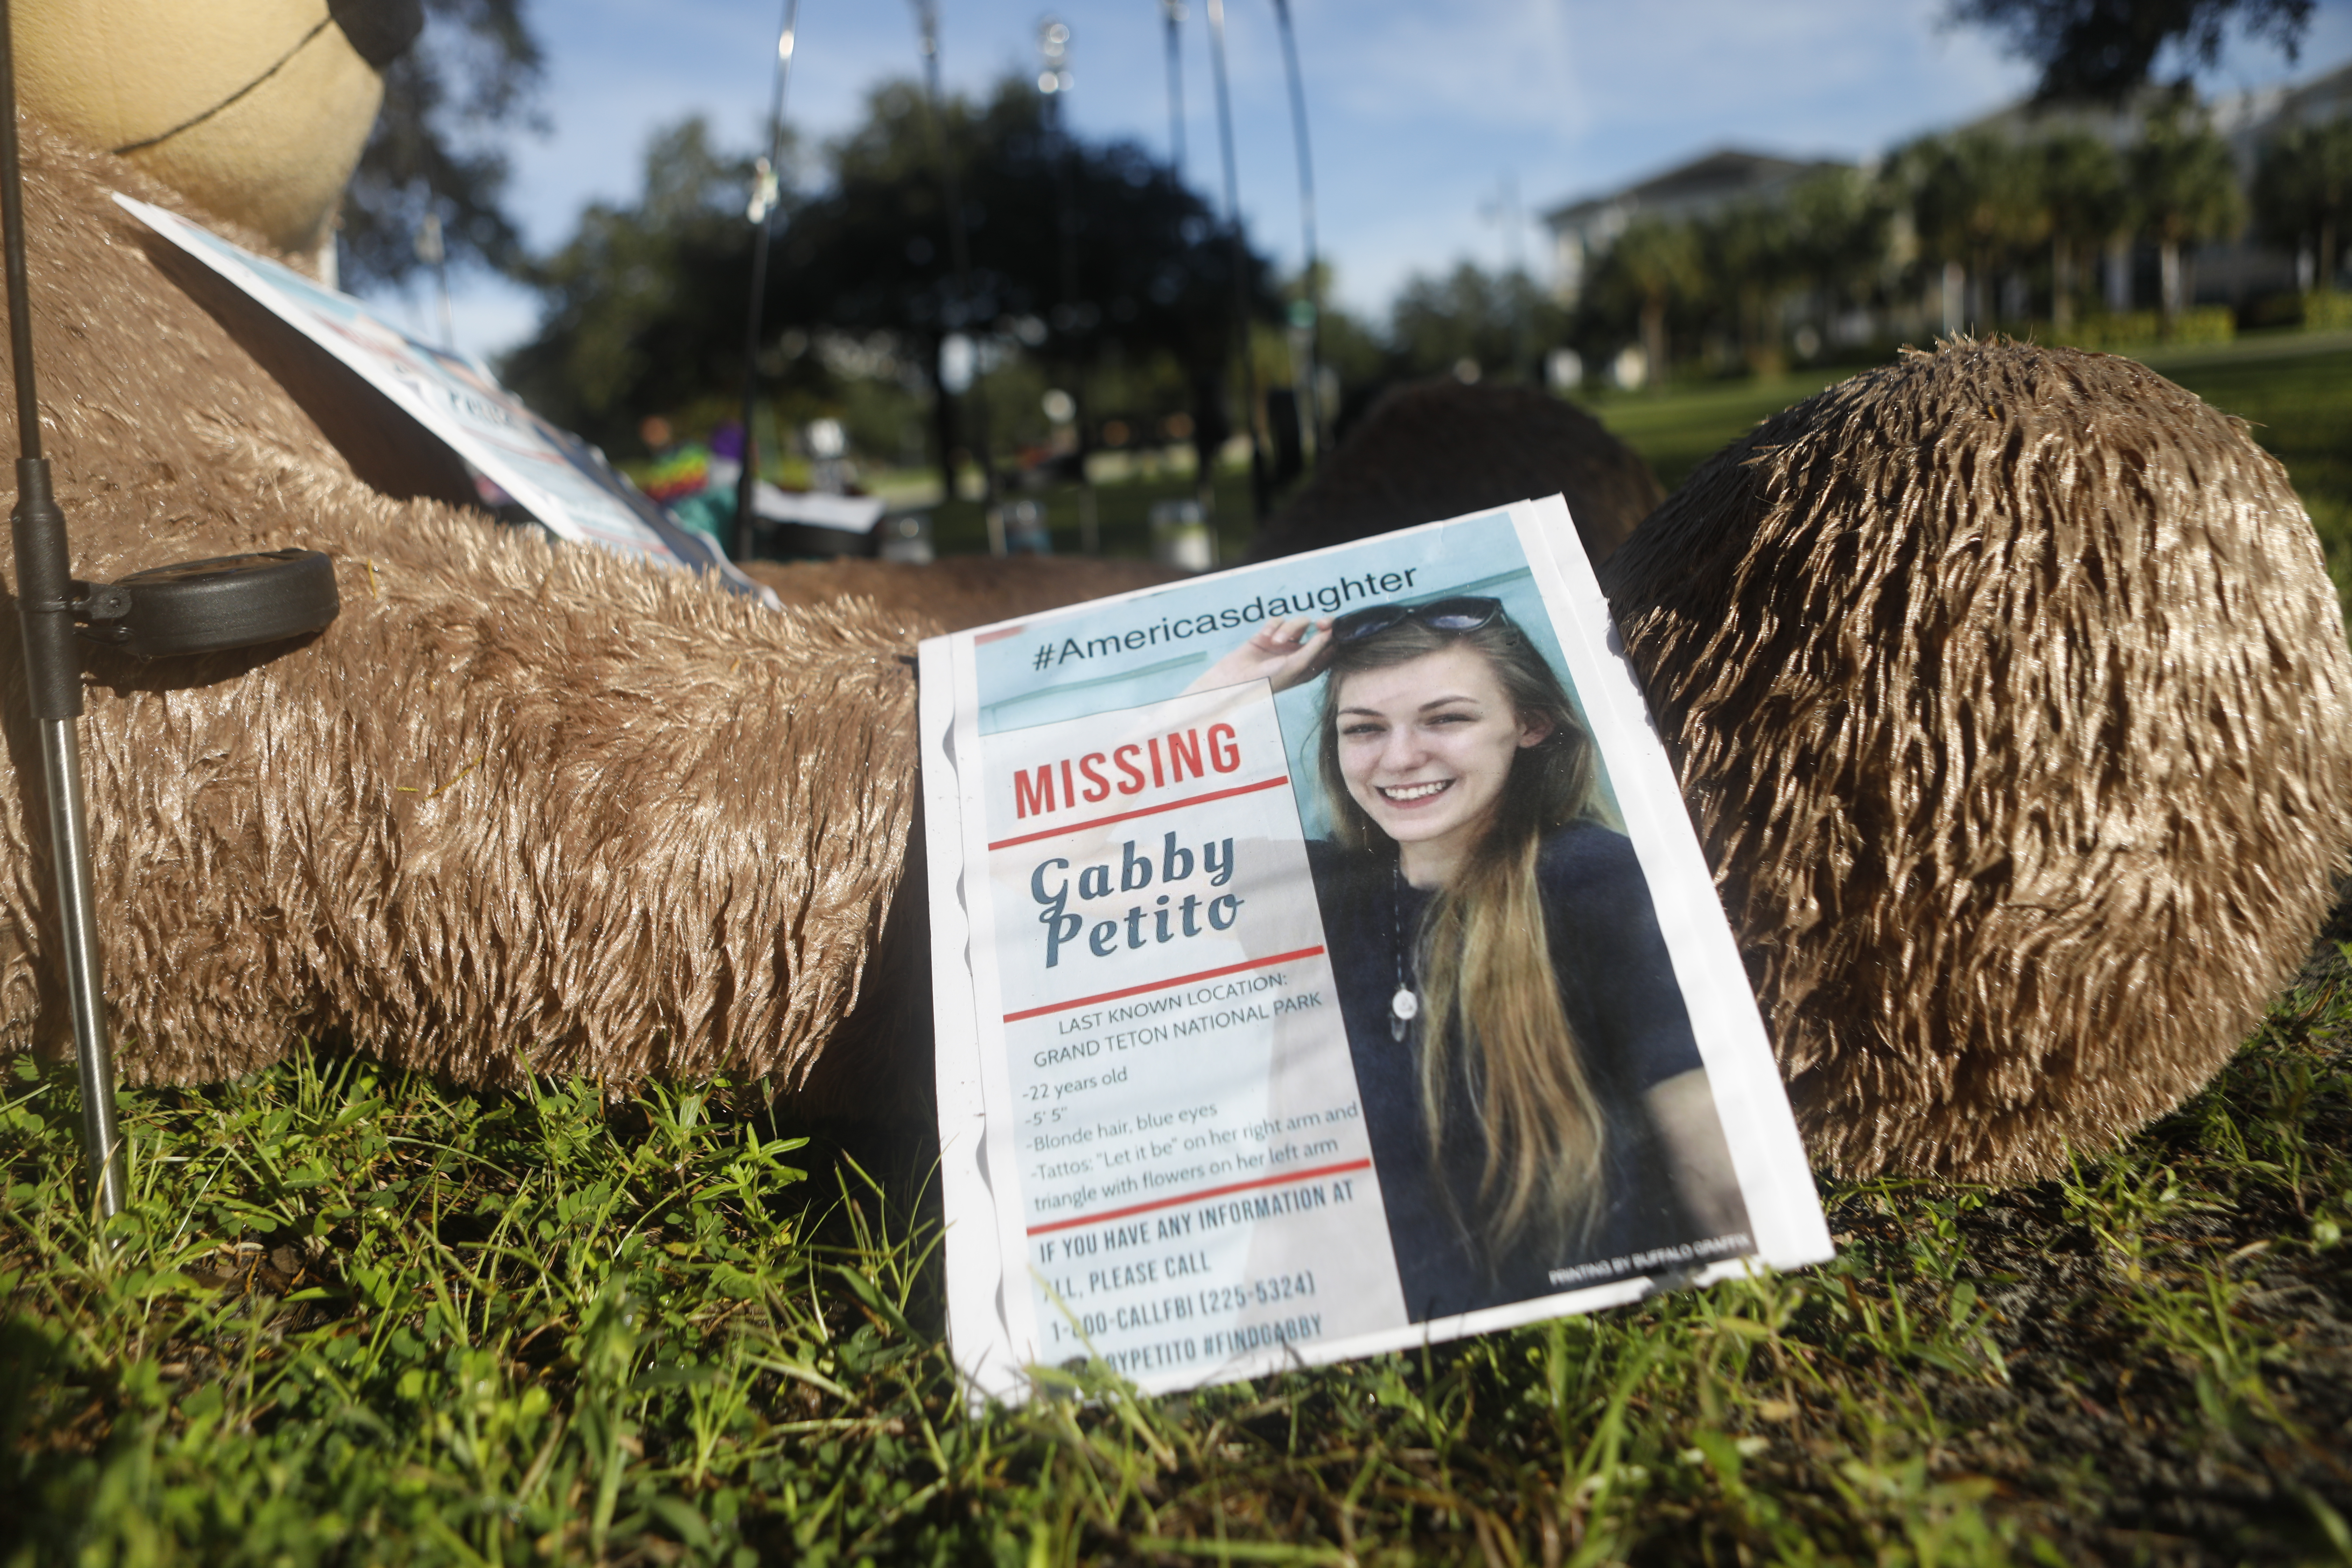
(1440, 450)
(2010, 697)
(2006, 683)
(522, 806)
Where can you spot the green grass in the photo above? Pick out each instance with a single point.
(1677, 429)
(1122, 515)
(2301, 409)
(353, 1317)
(356, 1317)
(2296, 388)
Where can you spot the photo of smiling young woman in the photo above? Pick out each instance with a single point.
(1537, 1104)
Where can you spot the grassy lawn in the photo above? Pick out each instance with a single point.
(354, 1317)
(1678, 429)
(2295, 389)
(1122, 515)
(2301, 409)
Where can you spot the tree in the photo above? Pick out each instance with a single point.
(1748, 263)
(643, 307)
(448, 103)
(2303, 191)
(1150, 265)
(1975, 202)
(2186, 188)
(1490, 321)
(645, 304)
(2082, 185)
(2105, 49)
(1839, 222)
(1653, 266)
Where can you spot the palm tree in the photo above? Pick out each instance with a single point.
(1653, 264)
(1839, 224)
(2186, 188)
(1747, 262)
(1975, 201)
(2303, 191)
(2082, 183)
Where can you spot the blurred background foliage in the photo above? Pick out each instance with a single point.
(1095, 271)
(1093, 331)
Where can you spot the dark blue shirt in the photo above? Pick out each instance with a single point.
(1624, 1009)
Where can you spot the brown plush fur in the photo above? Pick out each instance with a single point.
(2006, 683)
(521, 807)
(2010, 699)
(1440, 450)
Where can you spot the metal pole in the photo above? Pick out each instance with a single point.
(53, 682)
(762, 206)
(1310, 285)
(927, 18)
(1054, 86)
(1240, 250)
(1174, 12)
(431, 250)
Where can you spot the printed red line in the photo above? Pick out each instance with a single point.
(1140, 811)
(1160, 984)
(1196, 1197)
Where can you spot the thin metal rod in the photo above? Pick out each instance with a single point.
(53, 681)
(762, 217)
(12, 235)
(927, 20)
(1055, 57)
(85, 979)
(1240, 250)
(1174, 11)
(1309, 283)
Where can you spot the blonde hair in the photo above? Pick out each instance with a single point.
(1491, 1008)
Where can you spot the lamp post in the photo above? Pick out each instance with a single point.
(764, 189)
(1309, 281)
(1239, 254)
(1173, 11)
(927, 23)
(1072, 318)
(431, 250)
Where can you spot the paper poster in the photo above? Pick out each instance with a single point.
(558, 479)
(1324, 962)
(1187, 1148)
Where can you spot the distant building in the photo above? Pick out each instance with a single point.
(1907, 304)
(1582, 231)
(2231, 271)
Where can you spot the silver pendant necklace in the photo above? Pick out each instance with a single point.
(1405, 1005)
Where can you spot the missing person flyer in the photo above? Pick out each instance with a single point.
(562, 482)
(1324, 964)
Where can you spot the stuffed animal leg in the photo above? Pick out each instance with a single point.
(520, 808)
(2011, 702)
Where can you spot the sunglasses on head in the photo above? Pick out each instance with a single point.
(1464, 613)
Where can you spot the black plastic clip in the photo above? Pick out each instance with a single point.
(100, 610)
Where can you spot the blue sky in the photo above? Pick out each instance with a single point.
(1421, 113)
